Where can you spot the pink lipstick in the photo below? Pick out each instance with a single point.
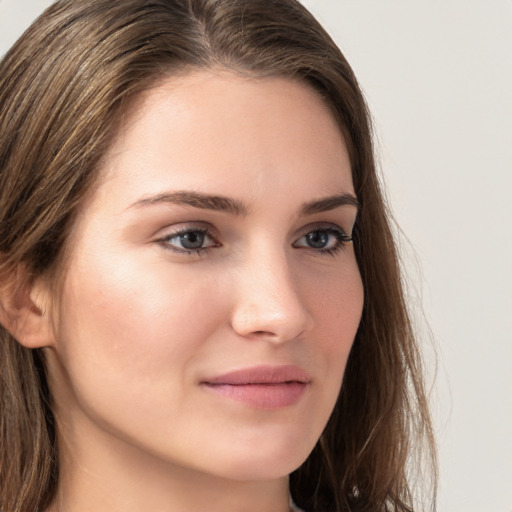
(262, 387)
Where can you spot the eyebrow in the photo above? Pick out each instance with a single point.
(329, 203)
(238, 208)
(198, 200)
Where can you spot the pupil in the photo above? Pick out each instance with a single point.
(317, 239)
(192, 240)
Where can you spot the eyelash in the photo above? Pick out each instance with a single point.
(186, 231)
(341, 237)
(331, 230)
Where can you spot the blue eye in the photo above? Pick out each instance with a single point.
(189, 240)
(328, 240)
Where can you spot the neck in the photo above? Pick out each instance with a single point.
(124, 479)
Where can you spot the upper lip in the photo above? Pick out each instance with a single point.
(264, 374)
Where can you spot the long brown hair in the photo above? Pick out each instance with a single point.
(63, 86)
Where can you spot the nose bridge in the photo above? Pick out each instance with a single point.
(269, 301)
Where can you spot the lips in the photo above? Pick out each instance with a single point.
(262, 387)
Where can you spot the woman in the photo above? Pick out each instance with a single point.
(201, 300)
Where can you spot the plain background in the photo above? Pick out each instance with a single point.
(438, 79)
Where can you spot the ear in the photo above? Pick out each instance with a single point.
(24, 307)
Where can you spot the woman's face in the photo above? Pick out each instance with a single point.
(212, 294)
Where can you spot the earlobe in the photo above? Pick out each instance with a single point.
(24, 309)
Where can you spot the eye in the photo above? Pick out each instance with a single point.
(189, 241)
(325, 239)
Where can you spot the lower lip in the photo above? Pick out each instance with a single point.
(262, 396)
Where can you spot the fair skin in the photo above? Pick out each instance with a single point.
(166, 290)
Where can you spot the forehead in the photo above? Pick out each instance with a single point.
(218, 131)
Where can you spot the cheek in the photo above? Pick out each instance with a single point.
(337, 306)
(129, 334)
(337, 302)
(135, 317)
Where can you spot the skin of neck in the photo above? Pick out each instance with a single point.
(125, 479)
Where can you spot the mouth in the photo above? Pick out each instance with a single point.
(262, 387)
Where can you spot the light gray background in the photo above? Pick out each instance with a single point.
(438, 78)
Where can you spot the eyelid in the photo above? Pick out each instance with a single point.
(210, 232)
(183, 229)
(318, 226)
(342, 238)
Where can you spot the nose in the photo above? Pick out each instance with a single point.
(269, 304)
